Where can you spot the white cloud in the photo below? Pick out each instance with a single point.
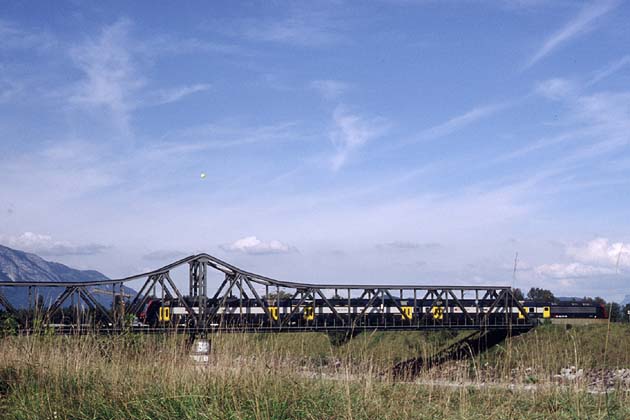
(575, 27)
(571, 270)
(45, 245)
(601, 251)
(329, 89)
(590, 261)
(556, 88)
(351, 132)
(253, 245)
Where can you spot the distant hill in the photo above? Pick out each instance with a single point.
(16, 266)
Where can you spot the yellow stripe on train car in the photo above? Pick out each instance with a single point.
(273, 311)
(521, 314)
(438, 312)
(309, 313)
(407, 312)
(164, 313)
(546, 312)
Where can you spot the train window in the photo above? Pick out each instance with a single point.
(531, 310)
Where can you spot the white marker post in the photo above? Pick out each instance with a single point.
(200, 351)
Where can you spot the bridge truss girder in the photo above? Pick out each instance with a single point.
(246, 301)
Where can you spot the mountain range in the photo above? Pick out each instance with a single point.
(17, 266)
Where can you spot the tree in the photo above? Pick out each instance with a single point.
(518, 294)
(615, 312)
(541, 295)
(596, 299)
(271, 297)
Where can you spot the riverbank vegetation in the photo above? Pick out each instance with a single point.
(550, 372)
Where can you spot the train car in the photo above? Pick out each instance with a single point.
(565, 310)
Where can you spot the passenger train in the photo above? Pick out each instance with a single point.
(368, 312)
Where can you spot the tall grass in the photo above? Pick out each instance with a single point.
(290, 376)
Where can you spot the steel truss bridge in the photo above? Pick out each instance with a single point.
(248, 302)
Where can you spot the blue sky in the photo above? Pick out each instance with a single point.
(386, 141)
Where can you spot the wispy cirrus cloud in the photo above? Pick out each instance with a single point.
(214, 136)
(460, 121)
(329, 88)
(409, 245)
(100, 167)
(166, 96)
(351, 132)
(454, 124)
(166, 44)
(9, 89)
(609, 70)
(301, 28)
(592, 124)
(112, 79)
(112, 64)
(537, 145)
(580, 24)
(164, 255)
(48, 175)
(13, 36)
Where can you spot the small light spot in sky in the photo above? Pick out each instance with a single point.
(202, 175)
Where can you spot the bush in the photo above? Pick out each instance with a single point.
(8, 326)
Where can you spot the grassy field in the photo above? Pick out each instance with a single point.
(304, 376)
